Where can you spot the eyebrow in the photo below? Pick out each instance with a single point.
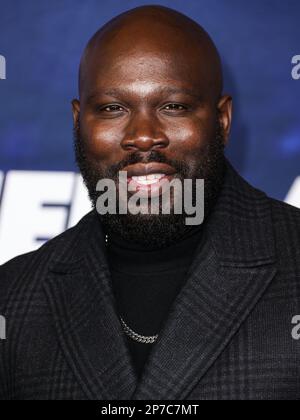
(164, 90)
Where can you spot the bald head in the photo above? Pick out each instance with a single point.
(151, 94)
(151, 32)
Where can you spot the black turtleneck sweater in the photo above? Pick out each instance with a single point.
(145, 284)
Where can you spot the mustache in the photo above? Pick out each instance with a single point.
(152, 156)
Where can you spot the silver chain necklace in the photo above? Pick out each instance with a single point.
(145, 339)
(150, 339)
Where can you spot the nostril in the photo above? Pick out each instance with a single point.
(159, 146)
(129, 147)
(144, 143)
(128, 144)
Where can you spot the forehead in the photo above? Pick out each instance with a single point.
(145, 71)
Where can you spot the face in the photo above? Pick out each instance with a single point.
(148, 111)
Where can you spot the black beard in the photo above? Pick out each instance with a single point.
(155, 231)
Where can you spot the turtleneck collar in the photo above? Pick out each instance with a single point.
(134, 258)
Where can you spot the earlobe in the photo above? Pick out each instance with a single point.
(225, 115)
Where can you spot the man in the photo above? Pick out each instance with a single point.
(145, 306)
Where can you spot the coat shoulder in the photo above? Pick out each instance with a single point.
(286, 222)
(285, 215)
(13, 270)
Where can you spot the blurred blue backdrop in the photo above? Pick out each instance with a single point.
(42, 42)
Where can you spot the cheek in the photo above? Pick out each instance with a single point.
(190, 136)
(102, 141)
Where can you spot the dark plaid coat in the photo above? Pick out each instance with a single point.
(228, 334)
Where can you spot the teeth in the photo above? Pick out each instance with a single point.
(139, 178)
(147, 179)
(155, 176)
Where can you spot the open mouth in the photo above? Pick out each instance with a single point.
(145, 180)
(148, 179)
(148, 186)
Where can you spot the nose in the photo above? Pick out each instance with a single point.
(144, 133)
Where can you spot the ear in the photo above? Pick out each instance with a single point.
(75, 111)
(225, 115)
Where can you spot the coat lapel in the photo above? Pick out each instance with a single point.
(233, 267)
(80, 295)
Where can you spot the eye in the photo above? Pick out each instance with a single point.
(174, 107)
(112, 108)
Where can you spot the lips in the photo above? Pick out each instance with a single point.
(141, 169)
(148, 178)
